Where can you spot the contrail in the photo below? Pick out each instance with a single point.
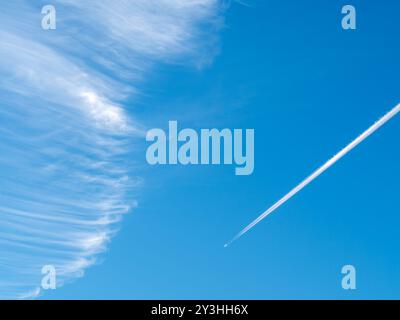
(321, 170)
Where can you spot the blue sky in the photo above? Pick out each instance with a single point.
(77, 191)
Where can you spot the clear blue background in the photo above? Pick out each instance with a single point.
(288, 70)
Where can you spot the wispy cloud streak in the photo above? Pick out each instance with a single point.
(67, 131)
(321, 170)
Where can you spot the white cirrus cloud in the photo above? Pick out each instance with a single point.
(65, 128)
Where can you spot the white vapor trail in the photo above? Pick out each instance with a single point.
(321, 170)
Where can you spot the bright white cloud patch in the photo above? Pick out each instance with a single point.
(65, 129)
